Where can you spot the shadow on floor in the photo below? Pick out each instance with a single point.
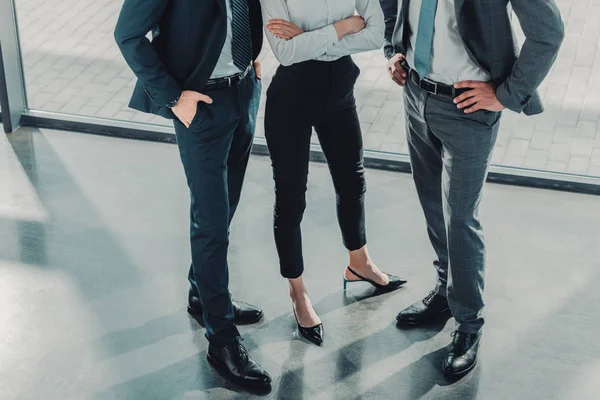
(544, 360)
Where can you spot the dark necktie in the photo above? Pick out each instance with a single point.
(242, 35)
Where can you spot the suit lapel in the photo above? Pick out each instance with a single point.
(405, 8)
(463, 33)
(403, 24)
(458, 5)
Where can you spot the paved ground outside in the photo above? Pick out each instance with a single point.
(73, 66)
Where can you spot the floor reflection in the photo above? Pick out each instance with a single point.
(101, 308)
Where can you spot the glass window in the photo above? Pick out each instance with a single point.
(72, 66)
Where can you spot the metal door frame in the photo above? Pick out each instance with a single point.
(13, 100)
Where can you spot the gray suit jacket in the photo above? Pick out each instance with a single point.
(486, 30)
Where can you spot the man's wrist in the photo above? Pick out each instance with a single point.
(174, 102)
(389, 51)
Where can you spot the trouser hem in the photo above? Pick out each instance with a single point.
(224, 338)
(294, 275)
(356, 244)
(467, 328)
(441, 289)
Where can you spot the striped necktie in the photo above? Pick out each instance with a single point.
(424, 45)
(242, 35)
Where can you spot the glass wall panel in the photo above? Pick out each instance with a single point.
(73, 66)
(566, 137)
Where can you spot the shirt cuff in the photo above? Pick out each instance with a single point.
(331, 38)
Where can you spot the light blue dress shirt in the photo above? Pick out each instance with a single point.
(320, 40)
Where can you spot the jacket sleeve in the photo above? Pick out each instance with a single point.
(544, 32)
(137, 18)
(390, 15)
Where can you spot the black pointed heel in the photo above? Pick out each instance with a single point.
(313, 334)
(393, 284)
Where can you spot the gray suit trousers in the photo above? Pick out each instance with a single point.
(450, 153)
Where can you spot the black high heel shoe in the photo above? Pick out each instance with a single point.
(313, 334)
(393, 284)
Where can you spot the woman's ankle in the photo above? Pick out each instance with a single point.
(297, 289)
(360, 259)
(299, 298)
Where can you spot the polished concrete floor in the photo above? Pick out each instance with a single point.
(94, 255)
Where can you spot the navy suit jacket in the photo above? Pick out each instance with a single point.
(187, 39)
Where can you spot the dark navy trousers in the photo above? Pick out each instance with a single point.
(215, 152)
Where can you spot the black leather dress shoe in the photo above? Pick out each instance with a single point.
(462, 353)
(235, 364)
(423, 311)
(245, 314)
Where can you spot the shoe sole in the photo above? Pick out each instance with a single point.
(231, 378)
(198, 314)
(422, 322)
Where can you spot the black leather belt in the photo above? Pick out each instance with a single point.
(227, 81)
(430, 86)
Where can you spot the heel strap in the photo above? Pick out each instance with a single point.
(357, 274)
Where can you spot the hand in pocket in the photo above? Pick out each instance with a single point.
(187, 106)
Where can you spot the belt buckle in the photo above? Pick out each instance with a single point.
(228, 81)
(426, 84)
